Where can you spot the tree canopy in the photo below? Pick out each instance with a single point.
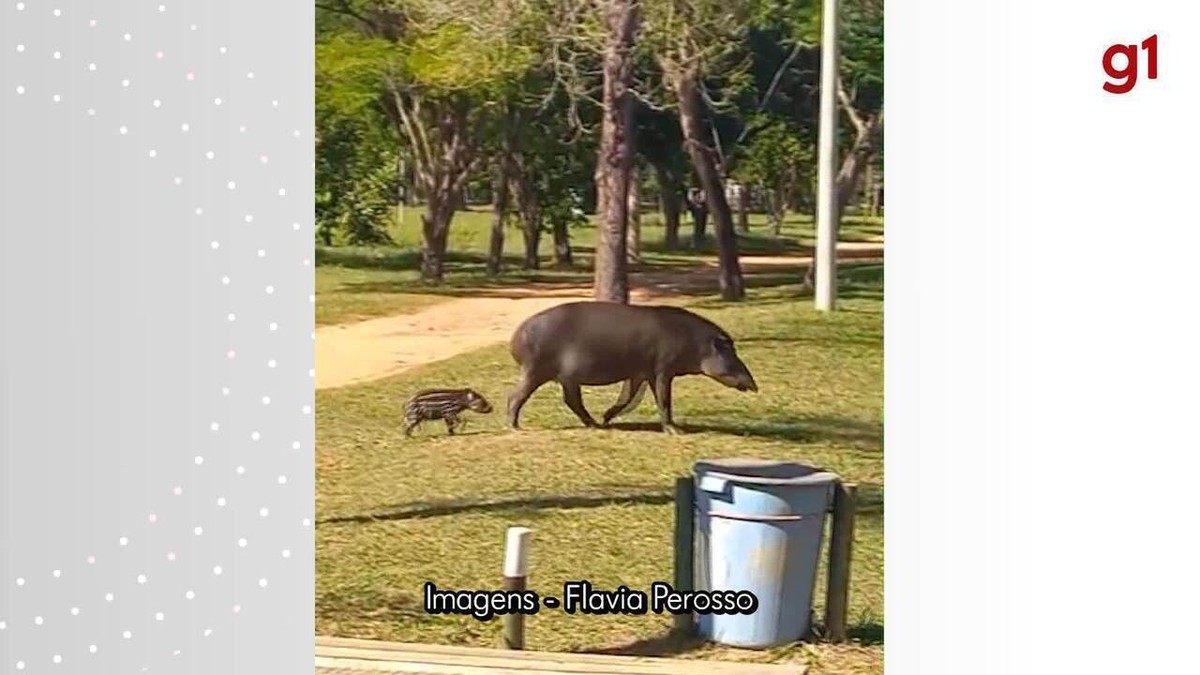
(427, 98)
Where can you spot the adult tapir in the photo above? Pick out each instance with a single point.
(599, 343)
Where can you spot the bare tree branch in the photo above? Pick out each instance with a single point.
(775, 80)
(717, 145)
(646, 101)
(422, 153)
(848, 106)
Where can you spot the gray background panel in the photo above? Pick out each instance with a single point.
(156, 391)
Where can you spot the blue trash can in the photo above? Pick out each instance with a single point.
(759, 528)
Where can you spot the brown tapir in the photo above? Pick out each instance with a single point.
(601, 343)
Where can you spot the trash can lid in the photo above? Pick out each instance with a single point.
(763, 471)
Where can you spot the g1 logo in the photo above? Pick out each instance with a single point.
(1122, 80)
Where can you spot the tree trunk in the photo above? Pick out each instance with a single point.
(499, 212)
(562, 244)
(401, 193)
(778, 207)
(436, 225)
(870, 181)
(743, 206)
(533, 237)
(730, 276)
(616, 152)
(668, 194)
(601, 202)
(866, 144)
(633, 231)
(531, 217)
(443, 140)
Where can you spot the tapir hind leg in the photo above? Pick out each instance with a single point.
(573, 397)
(520, 394)
(631, 395)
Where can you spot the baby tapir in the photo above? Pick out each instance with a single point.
(442, 404)
(600, 343)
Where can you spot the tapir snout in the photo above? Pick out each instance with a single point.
(743, 382)
(476, 402)
(724, 366)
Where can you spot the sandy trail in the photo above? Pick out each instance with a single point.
(377, 348)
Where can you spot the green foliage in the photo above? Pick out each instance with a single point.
(699, 31)
(454, 58)
(355, 155)
(355, 181)
(566, 207)
(427, 57)
(862, 52)
(860, 33)
(775, 153)
(558, 170)
(349, 73)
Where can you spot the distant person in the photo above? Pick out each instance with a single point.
(697, 205)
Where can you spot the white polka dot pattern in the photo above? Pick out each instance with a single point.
(155, 339)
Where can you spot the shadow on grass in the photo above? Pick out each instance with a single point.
(865, 633)
(806, 430)
(683, 279)
(510, 287)
(870, 499)
(409, 259)
(681, 272)
(666, 644)
(371, 603)
(379, 259)
(825, 339)
(414, 510)
(748, 243)
(857, 280)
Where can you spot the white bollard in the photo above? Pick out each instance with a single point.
(516, 569)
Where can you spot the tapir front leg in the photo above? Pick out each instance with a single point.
(662, 396)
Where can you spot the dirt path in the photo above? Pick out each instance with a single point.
(369, 350)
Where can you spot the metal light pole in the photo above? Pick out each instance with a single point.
(827, 157)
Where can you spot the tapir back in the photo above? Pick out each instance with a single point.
(605, 339)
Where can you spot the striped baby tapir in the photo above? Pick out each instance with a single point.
(442, 404)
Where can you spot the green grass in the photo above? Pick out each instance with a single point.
(355, 283)
(395, 512)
